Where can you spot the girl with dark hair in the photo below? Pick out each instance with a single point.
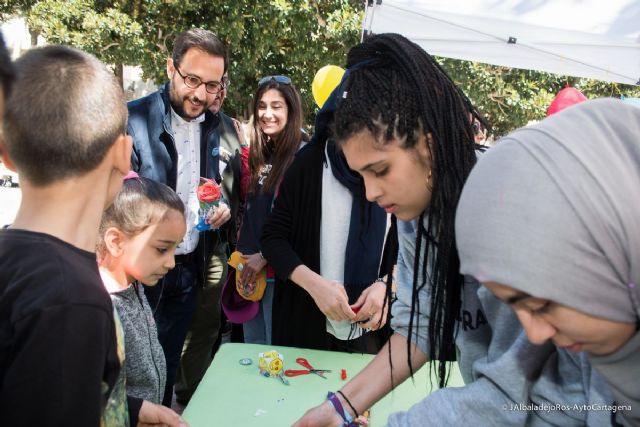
(275, 138)
(137, 239)
(407, 129)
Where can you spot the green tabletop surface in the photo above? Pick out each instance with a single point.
(231, 394)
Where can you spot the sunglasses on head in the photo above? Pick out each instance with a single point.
(285, 80)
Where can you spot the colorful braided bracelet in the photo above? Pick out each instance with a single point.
(347, 419)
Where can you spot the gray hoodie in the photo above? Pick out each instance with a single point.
(561, 221)
(146, 369)
(509, 381)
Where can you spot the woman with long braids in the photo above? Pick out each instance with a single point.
(406, 128)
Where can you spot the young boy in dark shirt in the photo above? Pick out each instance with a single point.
(64, 132)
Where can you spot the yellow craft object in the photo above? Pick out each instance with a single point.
(270, 362)
(252, 291)
(326, 80)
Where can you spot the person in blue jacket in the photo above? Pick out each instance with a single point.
(177, 140)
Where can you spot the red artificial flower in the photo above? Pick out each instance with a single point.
(208, 191)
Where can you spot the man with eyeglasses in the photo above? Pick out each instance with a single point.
(206, 326)
(177, 140)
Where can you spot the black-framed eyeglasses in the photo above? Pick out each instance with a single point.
(194, 82)
(285, 80)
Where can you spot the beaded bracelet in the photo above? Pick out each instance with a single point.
(348, 403)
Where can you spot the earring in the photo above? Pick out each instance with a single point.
(429, 186)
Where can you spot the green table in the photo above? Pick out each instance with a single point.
(231, 394)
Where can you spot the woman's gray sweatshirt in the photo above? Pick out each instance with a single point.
(509, 381)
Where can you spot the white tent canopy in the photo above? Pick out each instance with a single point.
(598, 39)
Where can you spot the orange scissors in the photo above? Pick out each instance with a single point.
(302, 361)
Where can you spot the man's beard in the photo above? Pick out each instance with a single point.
(177, 103)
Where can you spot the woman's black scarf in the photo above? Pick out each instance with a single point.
(368, 221)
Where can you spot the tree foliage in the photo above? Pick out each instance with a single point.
(103, 30)
(293, 37)
(266, 37)
(510, 97)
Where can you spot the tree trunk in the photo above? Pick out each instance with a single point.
(34, 37)
(119, 71)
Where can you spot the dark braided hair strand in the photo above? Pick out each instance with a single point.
(396, 91)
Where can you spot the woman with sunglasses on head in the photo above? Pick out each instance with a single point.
(405, 127)
(576, 280)
(275, 138)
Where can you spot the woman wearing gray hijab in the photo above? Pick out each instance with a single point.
(560, 240)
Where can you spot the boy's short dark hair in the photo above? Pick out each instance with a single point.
(66, 111)
(6, 69)
(201, 39)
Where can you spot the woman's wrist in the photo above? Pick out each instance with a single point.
(347, 404)
(345, 410)
(263, 260)
(335, 401)
(383, 282)
(380, 284)
(310, 281)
